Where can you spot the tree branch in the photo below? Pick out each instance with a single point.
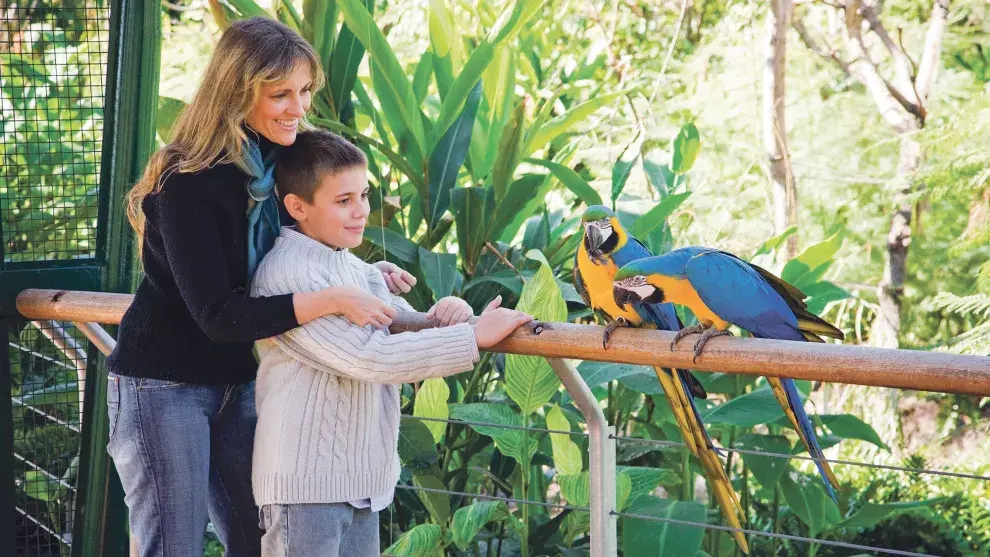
(823, 49)
(894, 107)
(902, 63)
(928, 67)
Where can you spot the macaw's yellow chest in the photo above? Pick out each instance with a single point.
(598, 281)
(680, 291)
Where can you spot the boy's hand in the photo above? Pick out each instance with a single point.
(398, 280)
(494, 325)
(450, 311)
(494, 304)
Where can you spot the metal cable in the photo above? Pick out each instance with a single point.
(772, 535)
(813, 459)
(677, 444)
(494, 498)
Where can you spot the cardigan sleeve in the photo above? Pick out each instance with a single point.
(195, 254)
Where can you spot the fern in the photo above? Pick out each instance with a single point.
(974, 307)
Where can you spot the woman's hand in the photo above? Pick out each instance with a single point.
(496, 324)
(361, 307)
(398, 280)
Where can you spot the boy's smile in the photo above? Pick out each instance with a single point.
(339, 211)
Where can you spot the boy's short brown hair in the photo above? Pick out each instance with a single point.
(315, 154)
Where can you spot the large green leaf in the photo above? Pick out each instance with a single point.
(809, 502)
(463, 88)
(571, 180)
(431, 402)
(812, 258)
(445, 34)
(820, 294)
(499, 84)
(359, 20)
(422, 75)
(469, 214)
(168, 112)
(345, 60)
(771, 244)
(515, 20)
(659, 175)
(437, 504)
(508, 153)
(566, 454)
(576, 489)
(641, 379)
(394, 243)
(566, 122)
(513, 204)
(756, 407)
(623, 168)
(391, 108)
(248, 8)
(417, 447)
(422, 541)
(767, 470)
(320, 26)
(647, 538)
(870, 514)
(469, 520)
(848, 426)
(657, 216)
(508, 441)
(394, 158)
(448, 157)
(440, 271)
(686, 147)
(646, 480)
(529, 380)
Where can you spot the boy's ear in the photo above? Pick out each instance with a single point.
(295, 206)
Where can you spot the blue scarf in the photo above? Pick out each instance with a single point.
(263, 223)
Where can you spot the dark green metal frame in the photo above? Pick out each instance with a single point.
(129, 128)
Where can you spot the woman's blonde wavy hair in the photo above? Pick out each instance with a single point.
(210, 130)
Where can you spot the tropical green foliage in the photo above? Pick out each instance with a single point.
(482, 130)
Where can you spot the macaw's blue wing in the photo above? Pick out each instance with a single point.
(737, 293)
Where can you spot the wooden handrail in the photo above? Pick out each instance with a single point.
(878, 367)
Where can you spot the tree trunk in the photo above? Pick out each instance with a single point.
(775, 123)
(885, 330)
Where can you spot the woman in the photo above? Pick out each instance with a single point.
(180, 390)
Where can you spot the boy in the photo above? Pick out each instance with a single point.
(325, 454)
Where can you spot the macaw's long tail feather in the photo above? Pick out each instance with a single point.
(679, 394)
(811, 323)
(790, 400)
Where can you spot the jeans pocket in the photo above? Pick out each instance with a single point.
(147, 383)
(113, 403)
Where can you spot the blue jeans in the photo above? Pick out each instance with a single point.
(183, 453)
(319, 530)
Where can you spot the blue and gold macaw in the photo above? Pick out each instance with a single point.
(606, 247)
(723, 290)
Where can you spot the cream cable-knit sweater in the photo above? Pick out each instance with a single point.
(327, 391)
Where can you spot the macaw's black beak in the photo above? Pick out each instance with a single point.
(593, 237)
(624, 297)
